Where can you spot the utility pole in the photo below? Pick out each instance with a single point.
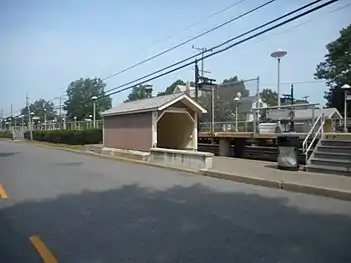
(292, 122)
(30, 125)
(2, 118)
(203, 51)
(11, 117)
(196, 81)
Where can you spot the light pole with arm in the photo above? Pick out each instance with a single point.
(94, 98)
(278, 55)
(236, 100)
(346, 88)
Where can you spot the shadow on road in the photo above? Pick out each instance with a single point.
(8, 154)
(181, 224)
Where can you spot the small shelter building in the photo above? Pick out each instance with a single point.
(168, 121)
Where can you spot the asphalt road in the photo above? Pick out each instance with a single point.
(86, 209)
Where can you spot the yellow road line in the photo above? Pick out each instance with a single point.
(3, 194)
(42, 249)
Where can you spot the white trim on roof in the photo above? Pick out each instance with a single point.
(194, 105)
(127, 112)
(186, 97)
(335, 111)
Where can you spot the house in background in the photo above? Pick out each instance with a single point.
(188, 89)
(246, 106)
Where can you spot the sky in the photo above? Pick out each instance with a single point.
(44, 45)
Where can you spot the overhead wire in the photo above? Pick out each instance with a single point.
(230, 46)
(197, 36)
(202, 20)
(190, 39)
(216, 47)
(250, 31)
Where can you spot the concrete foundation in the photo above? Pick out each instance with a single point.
(135, 155)
(224, 147)
(181, 158)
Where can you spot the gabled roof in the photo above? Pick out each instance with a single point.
(189, 90)
(154, 104)
(306, 114)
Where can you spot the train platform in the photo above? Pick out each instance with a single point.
(267, 174)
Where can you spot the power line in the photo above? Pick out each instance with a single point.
(307, 22)
(233, 45)
(262, 32)
(189, 40)
(218, 46)
(202, 20)
(189, 26)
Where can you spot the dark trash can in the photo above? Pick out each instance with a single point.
(288, 146)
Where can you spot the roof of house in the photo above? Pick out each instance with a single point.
(190, 90)
(152, 104)
(245, 103)
(330, 113)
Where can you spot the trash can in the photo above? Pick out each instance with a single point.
(288, 146)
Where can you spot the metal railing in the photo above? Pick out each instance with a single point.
(312, 135)
(229, 126)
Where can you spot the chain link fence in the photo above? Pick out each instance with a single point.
(229, 106)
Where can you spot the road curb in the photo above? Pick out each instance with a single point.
(320, 191)
(292, 187)
(117, 158)
(242, 179)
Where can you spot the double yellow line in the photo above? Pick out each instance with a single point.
(3, 194)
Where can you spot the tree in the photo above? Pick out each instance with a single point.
(79, 103)
(270, 97)
(336, 69)
(170, 89)
(41, 108)
(140, 92)
(224, 106)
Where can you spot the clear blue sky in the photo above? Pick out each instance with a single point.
(47, 44)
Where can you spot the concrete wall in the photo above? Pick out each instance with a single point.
(180, 158)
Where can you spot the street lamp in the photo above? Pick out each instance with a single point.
(236, 100)
(278, 55)
(346, 88)
(75, 122)
(44, 119)
(94, 98)
(22, 121)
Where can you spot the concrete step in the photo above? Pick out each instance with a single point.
(328, 169)
(336, 142)
(332, 156)
(334, 149)
(332, 162)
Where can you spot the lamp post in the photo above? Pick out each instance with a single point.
(44, 119)
(94, 98)
(90, 119)
(22, 122)
(236, 100)
(75, 122)
(278, 55)
(31, 121)
(346, 88)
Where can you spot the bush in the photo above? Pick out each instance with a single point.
(73, 137)
(5, 134)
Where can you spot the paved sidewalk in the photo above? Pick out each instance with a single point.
(266, 173)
